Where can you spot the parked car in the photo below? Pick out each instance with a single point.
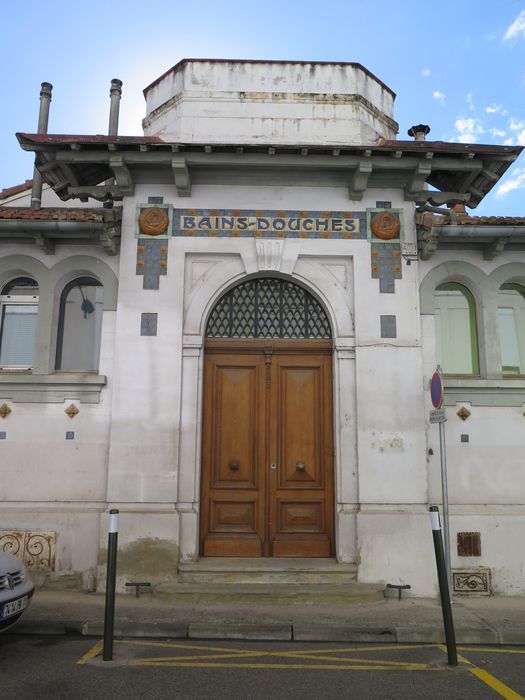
(16, 590)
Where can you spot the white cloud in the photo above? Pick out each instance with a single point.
(516, 28)
(469, 129)
(517, 182)
(521, 138)
(509, 142)
(438, 96)
(470, 100)
(498, 133)
(515, 125)
(492, 109)
(425, 72)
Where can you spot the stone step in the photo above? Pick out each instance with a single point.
(270, 593)
(266, 571)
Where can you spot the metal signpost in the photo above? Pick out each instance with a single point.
(438, 416)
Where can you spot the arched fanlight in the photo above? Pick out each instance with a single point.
(268, 308)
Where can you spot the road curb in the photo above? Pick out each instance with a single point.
(502, 635)
(343, 633)
(263, 633)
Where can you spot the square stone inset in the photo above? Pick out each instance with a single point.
(388, 327)
(148, 324)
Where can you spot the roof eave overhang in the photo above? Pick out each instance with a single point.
(103, 167)
(491, 239)
(46, 234)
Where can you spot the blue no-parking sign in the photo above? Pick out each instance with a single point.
(436, 389)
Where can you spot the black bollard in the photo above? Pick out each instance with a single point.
(111, 575)
(444, 592)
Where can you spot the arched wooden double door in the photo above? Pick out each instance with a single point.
(267, 454)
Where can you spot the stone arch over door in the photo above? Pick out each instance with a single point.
(267, 428)
(338, 307)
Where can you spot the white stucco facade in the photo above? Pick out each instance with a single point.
(137, 442)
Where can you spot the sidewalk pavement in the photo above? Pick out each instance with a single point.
(479, 620)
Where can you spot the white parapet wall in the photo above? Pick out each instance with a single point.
(269, 102)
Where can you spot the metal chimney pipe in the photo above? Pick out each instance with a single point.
(115, 93)
(419, 131)
(43, 119)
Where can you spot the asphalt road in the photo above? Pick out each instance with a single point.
(63, 667)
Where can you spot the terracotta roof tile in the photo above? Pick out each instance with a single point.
(16, 189)
(58, 214)
(462, 218)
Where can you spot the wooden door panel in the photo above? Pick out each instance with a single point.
(299, 402)
(301, 492)
(234, 427)
(234, 417)
(233, 516)
(267, 407)
(301, 516)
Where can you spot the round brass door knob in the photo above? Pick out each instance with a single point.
(300, 466)
(234, 465)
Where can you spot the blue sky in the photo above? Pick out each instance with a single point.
(457, 66)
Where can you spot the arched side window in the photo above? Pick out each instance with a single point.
(511, 314)
(268, 308)
(80, 325)
(456, 332)
(18, 319)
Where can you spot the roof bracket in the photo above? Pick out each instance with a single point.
(100, 192)
(44, 244)
(418, 180)
(181, 175)
(495, 248)
(429, 243)
(122, 174)
(359, 181)
(109, 239)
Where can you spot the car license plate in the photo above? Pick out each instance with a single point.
(15, 606)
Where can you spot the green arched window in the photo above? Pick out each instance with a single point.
(18, 318)
(456, 332)
(511, 314)
(80, 325)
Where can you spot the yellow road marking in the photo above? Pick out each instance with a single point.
(496, 685)
(487, 677)
(443, 648)
(202, 660)
(204, 657)
(94, 651)
(319, 657)
(489, 650)
(375, 647)
(181, 645)
(243, 653)
(317, 667)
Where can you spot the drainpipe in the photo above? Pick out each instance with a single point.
(115, 93)
(43, 118)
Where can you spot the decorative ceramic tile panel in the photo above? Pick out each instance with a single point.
(36, 548)
(255, 223)
(472, 581)
(152, 261)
